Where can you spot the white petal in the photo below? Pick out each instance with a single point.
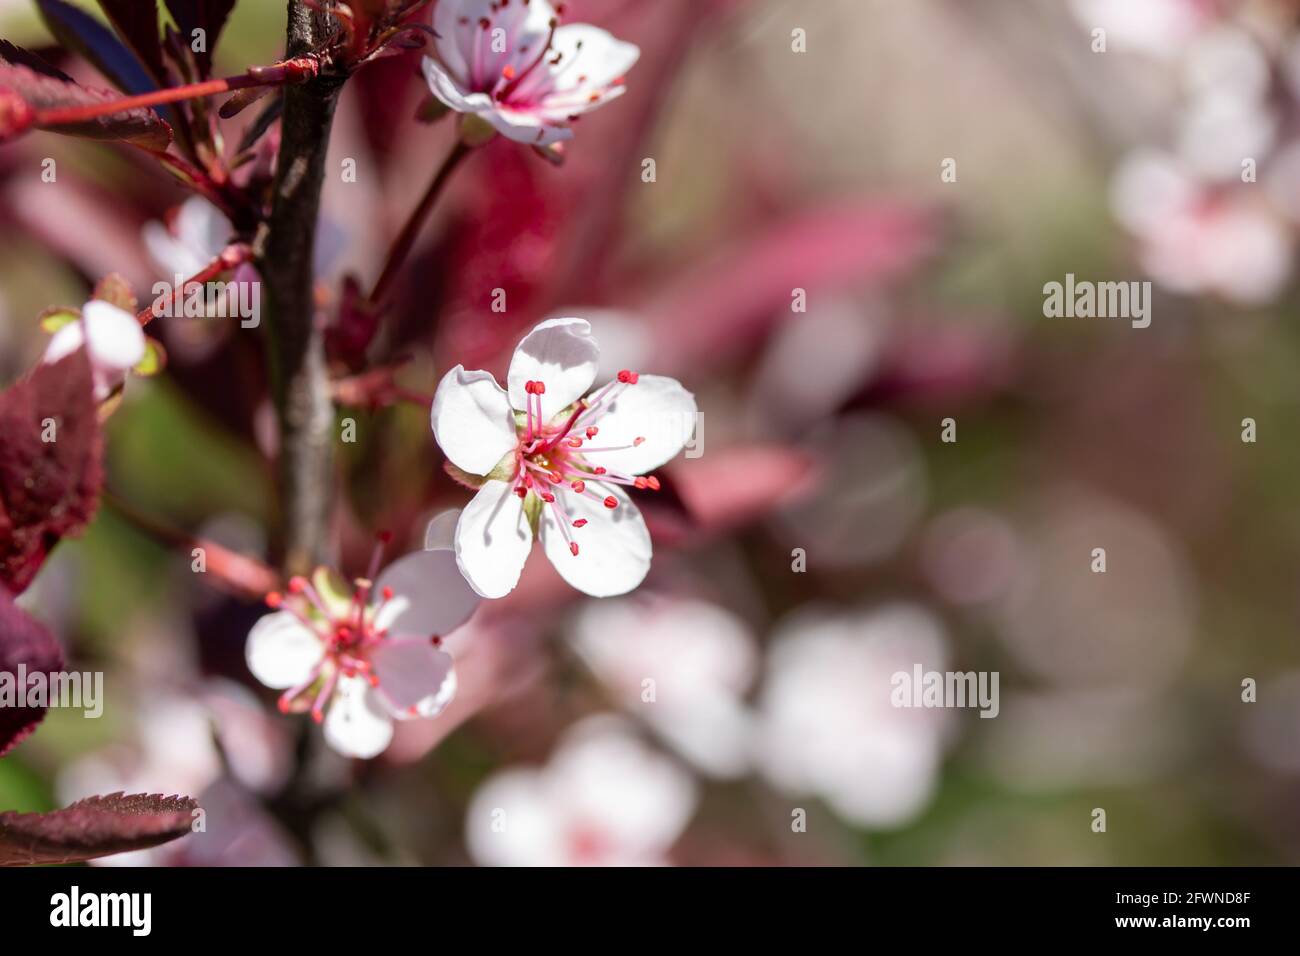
(203, 228)
(429, 595)
(525, 126)
(114, 337)
(440, 532)
(613, 549)
(587, 69)
(561, 107)
(561, 354)
(356, 724)
(450, 91)
(657, 409)
(493, 540)
(472, 420)
(437, 702)
(409, 671)
(282, 651)
(445, 23)
(169, 253)
(464, 45)
(64, 342)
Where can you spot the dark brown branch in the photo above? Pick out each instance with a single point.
(296, 342)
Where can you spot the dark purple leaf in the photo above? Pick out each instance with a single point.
(48, 489)
(81, 33)
(206, 15)
(20, 57)
(23, 643)
(42, 90)
(136, 22)
(98, 826)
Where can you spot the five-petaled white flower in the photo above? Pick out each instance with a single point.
(510, 63)
(113, 339)
(359, 661)
(541, 468)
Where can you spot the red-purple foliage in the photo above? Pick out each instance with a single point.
(48, 488)
(95, 827)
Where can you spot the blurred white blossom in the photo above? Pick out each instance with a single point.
(683, 666)
(604, 799)
(829, 727)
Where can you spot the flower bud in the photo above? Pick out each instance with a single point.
(16, 115)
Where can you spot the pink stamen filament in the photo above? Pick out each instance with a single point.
(513, 87)
(326, 692)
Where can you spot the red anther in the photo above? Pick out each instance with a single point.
(575, 442)
(653, 482)
(580, 523)
(593, 98)
(640, 483)
(627, 377)
(274, 599)
(484, 22)
(283, 704)
(573, 548)
(639, 440)
(555, 477)
(387, 594)
(611, 502)
(547, 497)
(383, 537)
(598, 470)
(521, 491)
(435, 640)
(297, 584)
(592, 430)
(528, 387)
(578, 485)
(372, 680)
(317, 714)
(539, 388)
(413, 711)
(508, 72)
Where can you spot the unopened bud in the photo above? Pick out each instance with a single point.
(16, 115)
